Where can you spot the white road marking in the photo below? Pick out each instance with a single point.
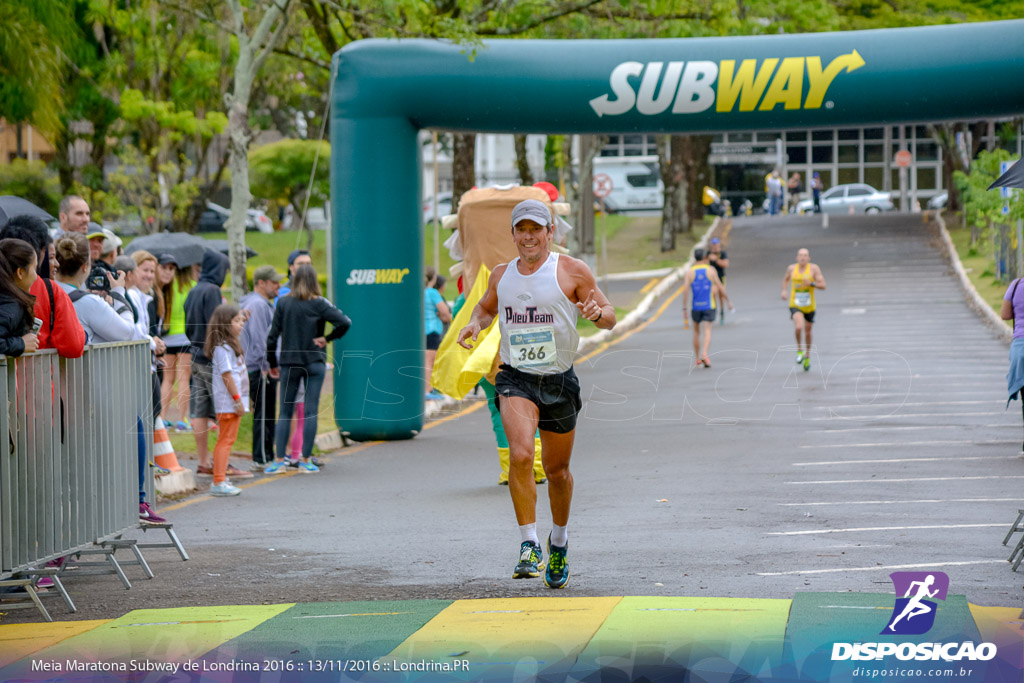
(905, 502)
(910, 428)
(886, 481)
(956, 458)
(886, 444)
(894, 416)
(911, 405)
(878, 528)
(881, 568)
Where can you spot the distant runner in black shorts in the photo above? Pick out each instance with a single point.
(538, 298)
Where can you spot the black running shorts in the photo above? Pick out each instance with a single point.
(809, 317)
(556, 396)
(707, 316)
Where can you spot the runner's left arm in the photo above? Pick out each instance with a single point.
(819, 279)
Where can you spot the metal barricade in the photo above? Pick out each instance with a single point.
(69, 450)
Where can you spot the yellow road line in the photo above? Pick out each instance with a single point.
(650, 285)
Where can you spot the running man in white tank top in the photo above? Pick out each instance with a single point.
(537, 298)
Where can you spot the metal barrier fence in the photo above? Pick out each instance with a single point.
(69, 469)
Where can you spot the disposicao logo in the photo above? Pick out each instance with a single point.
(914, 614)
(688, 87)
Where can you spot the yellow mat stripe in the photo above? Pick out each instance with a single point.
(1003, 626)
(547, 630)
(160, 635)
(21, 640)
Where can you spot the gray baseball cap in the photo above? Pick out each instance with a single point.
(532, 209)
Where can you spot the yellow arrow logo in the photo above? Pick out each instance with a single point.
(821, 79)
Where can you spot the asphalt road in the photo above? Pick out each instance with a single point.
(749, 479)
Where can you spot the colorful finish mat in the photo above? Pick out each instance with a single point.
(545, 638)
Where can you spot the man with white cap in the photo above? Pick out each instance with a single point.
(538, 298)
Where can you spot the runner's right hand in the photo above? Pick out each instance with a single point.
(470, 330)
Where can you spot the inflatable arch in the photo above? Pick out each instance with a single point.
(387, 90)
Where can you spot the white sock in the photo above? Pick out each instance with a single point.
(559, 535)
(528, 532)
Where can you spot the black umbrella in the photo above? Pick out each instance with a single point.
(11, 206)
(222, 247)
(186, 249)
(1014, 177)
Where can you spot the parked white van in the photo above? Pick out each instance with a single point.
(636, 183)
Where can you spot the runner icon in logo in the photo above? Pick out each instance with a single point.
(916, 587)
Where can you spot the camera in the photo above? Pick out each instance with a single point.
(97, 280)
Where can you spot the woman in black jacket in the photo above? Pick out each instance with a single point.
(299, 320)
(17, 273)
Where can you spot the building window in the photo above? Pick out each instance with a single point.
(822, 135)
(874, 153)
(797, 154)
(874, 133)
(849, 134)
(848, 175)
(849, 154)
(874, 176)
(821, 154)
(927, 178)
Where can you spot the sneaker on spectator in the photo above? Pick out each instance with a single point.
(45, 582)
(159, 471)
(224, 489)
(147, 514)
(204, 471)
(278, 467)
(182, 426)
(236, 473)
(308, 468)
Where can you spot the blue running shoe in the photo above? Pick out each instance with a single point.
(530, 559)
(557, 573)
(224, 489)
(308, 468)
(277, 467)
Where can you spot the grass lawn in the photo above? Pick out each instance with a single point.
(978, 264)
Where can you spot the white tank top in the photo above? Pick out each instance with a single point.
(536, 320)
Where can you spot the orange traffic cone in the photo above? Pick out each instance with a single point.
(163, 452)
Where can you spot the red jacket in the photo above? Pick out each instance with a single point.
(67, 335)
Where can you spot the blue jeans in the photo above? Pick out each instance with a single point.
(291, 377)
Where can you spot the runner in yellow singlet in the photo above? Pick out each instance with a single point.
(801, 280)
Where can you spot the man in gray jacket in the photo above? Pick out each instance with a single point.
(259, 305)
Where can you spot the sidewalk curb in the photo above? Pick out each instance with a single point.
(980, 306)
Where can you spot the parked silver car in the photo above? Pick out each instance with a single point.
(863, 198)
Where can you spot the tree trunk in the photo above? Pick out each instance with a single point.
(463, 166)
(252, 51)
(698, 174)
(18, 151)
(672, 162)
(238, 160)
(525, 176)
(586, 233)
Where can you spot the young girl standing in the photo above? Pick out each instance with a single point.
(230, 388)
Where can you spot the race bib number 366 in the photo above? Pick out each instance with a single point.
(531, 347)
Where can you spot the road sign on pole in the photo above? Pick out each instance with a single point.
(903, 158)
(602, 185)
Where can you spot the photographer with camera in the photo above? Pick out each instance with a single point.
(89, 289)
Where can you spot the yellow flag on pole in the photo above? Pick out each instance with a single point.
(457, 370)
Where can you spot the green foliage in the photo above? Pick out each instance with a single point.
(984, 207)
(32, 35)
(281, 170)
(134, 190)
(31, 180)
(177, 124)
